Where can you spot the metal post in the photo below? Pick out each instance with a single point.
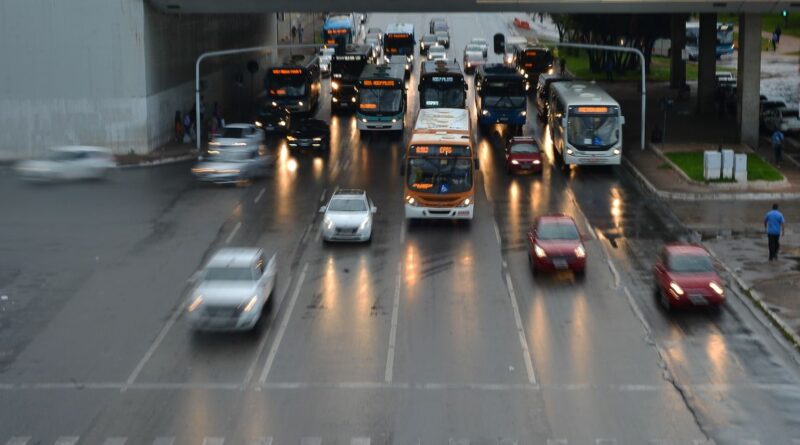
(625, 50)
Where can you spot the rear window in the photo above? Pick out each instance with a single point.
(558, 231)
(690, 263)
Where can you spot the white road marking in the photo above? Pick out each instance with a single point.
(213, 441)
(638, 312)
(282, 329)
(557, 442)
(520, 331)
(613, 271)
(18, 440)
(67, 440)
(115, 441)
(260, 194)
(605, 441)
(164, 441)
(393, 332)
(497, 233)
(233, 233)
(159, 338)
(360, 441)
(459, 441)
(322, 196)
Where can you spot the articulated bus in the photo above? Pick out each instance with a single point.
(398, 40)
(439, 166)
(442, 85)
(381, 97)
(345, 70)
(339, 29)
(585, 124)
(295, 84)
(500, 95)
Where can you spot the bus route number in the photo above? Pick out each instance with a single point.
(441, 79)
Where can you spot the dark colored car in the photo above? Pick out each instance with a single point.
(275, 119)
(554, 244)
(313, 134)
(523, 155)
(684, 276)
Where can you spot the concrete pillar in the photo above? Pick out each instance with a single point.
(707, 63)
(677, 72)
(749, 78)
(272, 38)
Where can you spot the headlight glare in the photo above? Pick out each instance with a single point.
(539, 251)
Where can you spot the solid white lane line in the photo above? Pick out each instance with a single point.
(359, 441)
(497, 233)
(393, 330)
(613, 271)
(67, 440)
(233, 233)
(262, 441)
(260, 194)
(19, 440)
(557, 442)
(310, 441)
(526, 353)
(159, 338)
(282, 329)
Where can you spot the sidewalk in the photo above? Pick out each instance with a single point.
(166, 154)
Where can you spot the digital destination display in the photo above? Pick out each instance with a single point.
(440, 150)
(287, 71)
(379, 83)
(593, 110)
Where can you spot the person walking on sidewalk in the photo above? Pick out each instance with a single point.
(775, 39)
(777, 146)
(774, 223)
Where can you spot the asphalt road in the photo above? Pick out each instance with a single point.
(432, 334)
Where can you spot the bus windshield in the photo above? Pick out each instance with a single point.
(434, 97)
(398, 44)
(440, 175)
(287, 85)
(593, 131)
(380, 100)
(503, 93)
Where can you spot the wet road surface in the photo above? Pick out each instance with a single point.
(433, 333)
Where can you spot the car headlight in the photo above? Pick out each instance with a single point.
(469, 65)
(334, 99)
(515, 162)
(213, 152)
(334, 85)
(213, 143)
(540, 253)
(232, 171)
(239, 144)
(328, 223)
(258, 124)
(300, 102)
(527, 86)
(195, 304)
(282, 123)
(274, 104)
(580, 252)
(676, 289)
(422, 45)
(251, 304)
(523, 113)
(317, 139)
(289, 137)
(353, 99)
(537, 162)
(485, 112)
(526, 75)
(716, 288)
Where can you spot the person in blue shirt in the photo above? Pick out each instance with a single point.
(773, 222)
(777, 146)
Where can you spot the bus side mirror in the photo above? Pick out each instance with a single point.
(499, 43)
(622, 120)
(477, 164)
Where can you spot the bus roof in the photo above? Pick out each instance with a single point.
(354, 50)
(441, 67)
(442, 125)
(386, 71)
(338, 21)
(400, 28)
(582, 93)
(299, 60)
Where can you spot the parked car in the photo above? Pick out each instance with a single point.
(238, 135)
(68, 163)
(554, 244)
(437, 52)
(272, 118)
(310, 133)
(786, 120)
(473, 58)
(348, 216)
(443, 37)
(684, 276)
(480, 41)
(233, 165)
(764, 106)
(523, 155)
(235, 286)
(325, 55)
(426, 42)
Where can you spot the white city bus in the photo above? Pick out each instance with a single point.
(585, 124)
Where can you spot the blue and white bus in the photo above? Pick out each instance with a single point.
(382, 97)
(500, 96)
(339, 29)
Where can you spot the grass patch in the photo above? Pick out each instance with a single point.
(691, 162)
(578, 65)
(665, 166)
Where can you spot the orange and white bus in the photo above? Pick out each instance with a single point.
(439, 166)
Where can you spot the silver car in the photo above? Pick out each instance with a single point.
(348, 216)
(233, 165)
(473, 58)
(237, 135)
(325, 55)
(234, 288)
(68, 163)
(480, 41)
(437, 52)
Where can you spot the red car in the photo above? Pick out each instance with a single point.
(685, 277)
(554, 243)
(523, 155)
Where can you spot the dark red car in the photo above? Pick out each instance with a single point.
(523, 155)
(685, 277)
(554, 243)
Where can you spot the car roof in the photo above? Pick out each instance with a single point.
(556, 218)
(685, 248)
(234, 257)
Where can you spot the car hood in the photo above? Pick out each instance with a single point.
(559, 247)
(525, 156)
(694, 280)
(225, 293)
(347, 219)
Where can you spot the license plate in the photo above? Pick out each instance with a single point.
(270, 127)
(560, 264)
(503, 119)
(698, 299)
(525, 166)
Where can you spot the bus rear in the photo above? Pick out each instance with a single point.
(294, 87)
(442, 85)
(345, 71)
(533, 61)
(338, 29)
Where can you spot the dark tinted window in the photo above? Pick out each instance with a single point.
(557, 231)
(690, 263)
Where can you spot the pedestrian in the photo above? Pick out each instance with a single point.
(777, 146)
(294, 32)
(187, 128)
(300, 33)
(609, 68)
(562, 65)
(775, 41)
(774, 223)
(778, 32)
(178, 125)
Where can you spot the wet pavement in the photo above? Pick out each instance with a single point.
(433, 333)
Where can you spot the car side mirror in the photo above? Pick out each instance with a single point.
(322, 209)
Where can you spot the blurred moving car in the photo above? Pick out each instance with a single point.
(68, 163)
(375, 43)
(473, 58)
(480, 41)
(437, 52)
(233, 165)
(348, 216)
(426, 42)
(325, 55)
(235, 286)
(310, 133)
(523, 155)
(786, 120)
(238, 135)
(554, 243)
(273, 119)
(443, 37)
(375, 32)
(684, 276)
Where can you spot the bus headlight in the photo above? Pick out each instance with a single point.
(394, 120)
(485, 112)
(334, 99)
(282, 123)
(274, 104)
(334, 85)
(616, 151)
(364, 120)
(258, 124)
(353, 99)
(526, 75)
(569, 151)
(523, 113)
(411, 201)
(466, 202)
(300, 102)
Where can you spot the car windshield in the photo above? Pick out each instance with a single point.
(690, 263)
(229, 274)
(232, 132)
(64, 155)
(440, 175)
(557, 231)
(379, 100)
(593, 132)
(347, 205)
(524, 148)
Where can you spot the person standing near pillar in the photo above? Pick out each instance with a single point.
(777, 146)
(774, 223)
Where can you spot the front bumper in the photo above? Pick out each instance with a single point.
(418, 212)
(524, 167)
(695, 298)
(387, 125)
(501, 118)
(234, 320)
(220, 178)
(592, 158)
(306, 143)
(347, 234)
(556, 263)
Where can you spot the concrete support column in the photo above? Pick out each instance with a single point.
(677, 72)
(749, 78)
(272, 38)
(707, 63)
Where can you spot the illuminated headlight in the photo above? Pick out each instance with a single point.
(317, 139)
(540, 253)
(335, 100)
(213, 143)
(282, 123)
(466, 202)
(230, 171)
(407, 66)
(469, 65)
(195, 304)
(328, 223)
(394, 120)
(213, 152)
(409, 58)
(716, 288)
(580, 252)
(527, 86)
(274, 104)
(523, 113)
(334, 85)
(289, 137)
(411, 201)
(485, 112)
(422, 45)
(300, 102)
(676, 289)
(616, 151)
(258, 124)
(364, 120)
(515, 162)
(569, 151)
(537, 162)
(550, 71)
(526, 75)
(353, 99)
(251, 304)
(239, 144)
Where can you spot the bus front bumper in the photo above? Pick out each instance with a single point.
(417, 212)
(613, 157)
(364, 123)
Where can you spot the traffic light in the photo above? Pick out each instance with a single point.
(785, 15)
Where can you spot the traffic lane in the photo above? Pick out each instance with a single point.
(51, 413)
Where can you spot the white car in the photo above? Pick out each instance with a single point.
(480, 41)
(233, 165)
(234, 288)
(325, 55)
(375, 43)
(437, 52)
(377, 32)
(473, 57)
(69, 163)
(237, 135)
(348, 216)
(787, 120)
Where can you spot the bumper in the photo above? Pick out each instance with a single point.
(220, 178)
(553, 264)
(243, 322)
(695, 299)
(379, 125)
(524, 168)
(274, 128)
(416, 212)
(341, 102)
(501, 119)
(355, 236)
(589, 158)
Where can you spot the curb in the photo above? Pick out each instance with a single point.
(157, 162)
(787, 332)
(712, 196)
